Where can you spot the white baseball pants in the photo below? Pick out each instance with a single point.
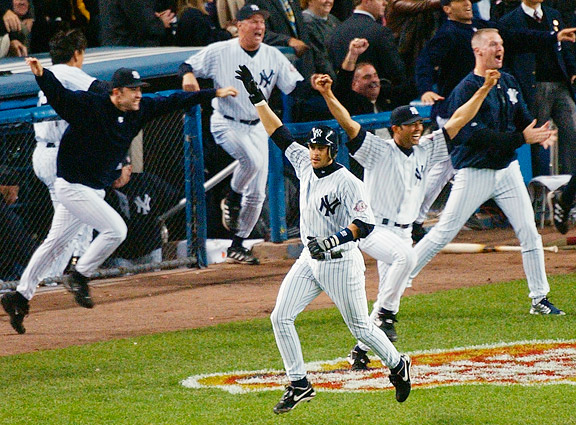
(472, 187)
(343, 281)
(249, 145)
(392, 248)
(79, 205)
(44, 163)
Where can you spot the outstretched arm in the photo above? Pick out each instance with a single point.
(323, 83)
(467, 111)
(269, 119)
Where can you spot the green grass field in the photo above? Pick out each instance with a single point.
(137, 381)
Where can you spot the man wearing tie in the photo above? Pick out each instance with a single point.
(546, 79)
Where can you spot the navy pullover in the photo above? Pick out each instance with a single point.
(99, 134)
(491, 138)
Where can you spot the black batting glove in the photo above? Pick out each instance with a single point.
(254, 93)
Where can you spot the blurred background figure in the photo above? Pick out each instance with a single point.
(195, 26)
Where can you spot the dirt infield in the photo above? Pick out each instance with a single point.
(191, 298)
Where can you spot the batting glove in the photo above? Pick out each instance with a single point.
(254, 93)
(317, 246)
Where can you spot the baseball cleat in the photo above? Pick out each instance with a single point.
(240, 255)
(17, 307)
(77, 284)
(358, 359)
(387, 320)
(545, 307)
(400, 378)
(560, 214)
(230, 214)
(292, 397)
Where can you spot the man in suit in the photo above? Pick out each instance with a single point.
(382, 52)
(546, 77)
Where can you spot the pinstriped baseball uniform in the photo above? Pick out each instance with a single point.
(246, 143)
(48, 135)
(330, 199)
(395, 184)
(487, 169)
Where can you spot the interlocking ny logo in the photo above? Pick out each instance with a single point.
(329, 206)
(266, 80)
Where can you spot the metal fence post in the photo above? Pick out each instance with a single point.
(194, 180)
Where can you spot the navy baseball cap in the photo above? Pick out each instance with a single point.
(404, 115)
(126, 77)
(249, 10)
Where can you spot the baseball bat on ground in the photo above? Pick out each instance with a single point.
(471, 248)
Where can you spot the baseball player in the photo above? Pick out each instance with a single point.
(89, 159)
(403, 162)
(484, 155)
(562, 201)
(67, 54)
(334, 214)
(235, 124)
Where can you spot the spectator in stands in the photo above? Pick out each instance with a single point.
(358, 85)
(285, 26)
(567, 9)
(342, 9)
(546, 79)
(499, 8)
(413, 23)
(382, 52)
(227, 10)
(195, 27)
(320, 24)
(14, 34)
(52, 16)
(140, 198)
(133, 23)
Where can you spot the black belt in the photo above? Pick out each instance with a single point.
(328, 255)
(247, 122)
(50, 145)
(402, 226)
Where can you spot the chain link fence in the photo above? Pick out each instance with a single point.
(157, 184)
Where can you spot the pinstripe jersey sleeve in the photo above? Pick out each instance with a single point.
(435, 146)
(373, 151)
(299, 157)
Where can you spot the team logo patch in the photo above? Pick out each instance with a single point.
(521, 363)
(513, 95)
(135, 75)
(360, 206)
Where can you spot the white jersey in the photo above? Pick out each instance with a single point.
(220, 60)
(72, 78)
(327, 204)
(395, 182)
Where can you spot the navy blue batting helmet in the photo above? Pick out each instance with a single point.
(326, 136)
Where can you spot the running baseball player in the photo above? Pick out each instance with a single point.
(403, 162)
(67, 54)
(334, 214)
(235, 124)
(484, 155)
(89, 159)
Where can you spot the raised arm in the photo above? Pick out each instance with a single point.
(323, 83)
(468, 110)
(269, 119)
